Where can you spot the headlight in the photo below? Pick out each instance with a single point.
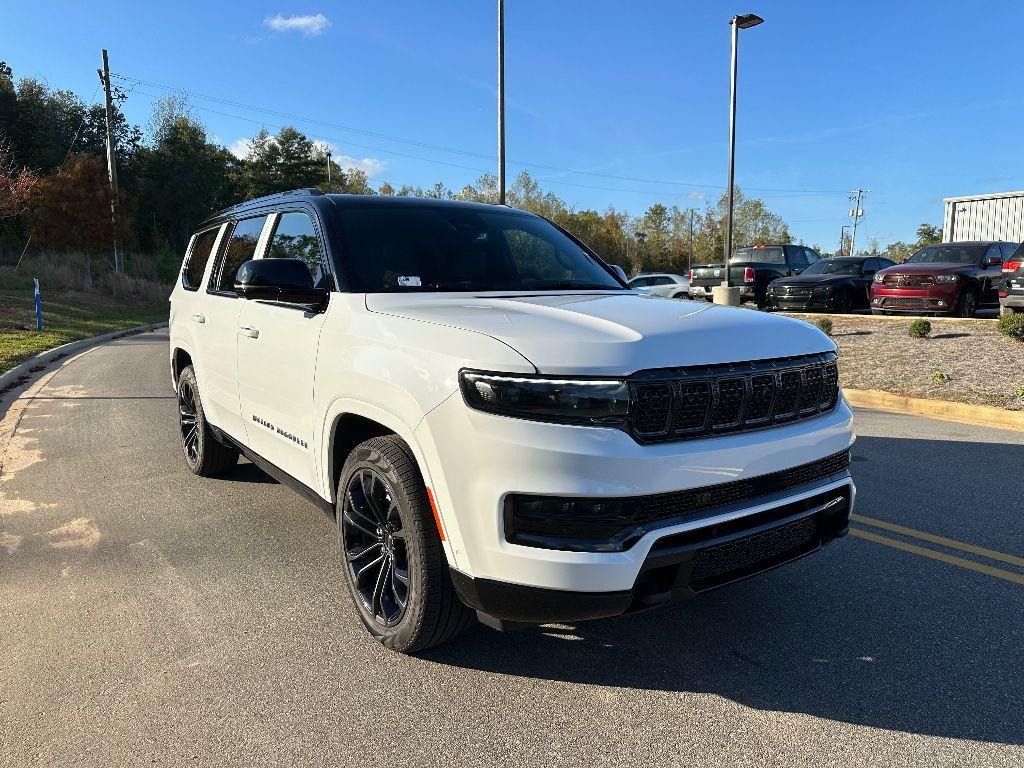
(597, 402)
(946, 278)
(879, 277)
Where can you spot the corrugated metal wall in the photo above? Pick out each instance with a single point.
(990, 218)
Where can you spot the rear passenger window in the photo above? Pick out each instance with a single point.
(198, 256)
(240, 249)
(295, 238)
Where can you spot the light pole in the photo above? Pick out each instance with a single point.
(501, 102)
(742, 21)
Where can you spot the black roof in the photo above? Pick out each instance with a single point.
(317, 197)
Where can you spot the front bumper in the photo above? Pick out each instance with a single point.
(726, 548)
(939, 298)
(475, 460)
(810, 300)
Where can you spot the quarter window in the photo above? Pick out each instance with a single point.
(240, 249)
(198, 256)
(295, 238)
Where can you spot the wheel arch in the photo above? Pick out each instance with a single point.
(181, 358)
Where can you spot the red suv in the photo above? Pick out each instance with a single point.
(945, 279)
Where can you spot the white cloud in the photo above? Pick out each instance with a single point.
(309, 26)
(239, 148)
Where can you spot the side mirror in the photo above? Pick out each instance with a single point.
(992, 261)
(620, 272)
(284, 280)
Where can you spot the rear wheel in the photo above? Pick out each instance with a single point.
(204, 454)
(394, 562)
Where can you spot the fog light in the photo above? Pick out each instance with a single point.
(941, 303)
(876, 301)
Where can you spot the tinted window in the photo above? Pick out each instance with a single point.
(241, 247)
(763, 255)
(1008, 249)
(948, 253)
(885, 263)
(427, 248)
(834, 267)
(663, 280)
(1018, 255)
(295, 238)
(640, 282)
(994, 252)
(812, 255)
(198, 256)
(797, 258)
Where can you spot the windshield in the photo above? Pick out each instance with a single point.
(759, 255)
(392, 249)
(947, 253)
(834, 267)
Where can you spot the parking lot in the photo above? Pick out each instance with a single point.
(154, 617)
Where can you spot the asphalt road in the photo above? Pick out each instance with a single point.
(149, 616)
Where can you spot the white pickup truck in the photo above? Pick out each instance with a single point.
(499, 427)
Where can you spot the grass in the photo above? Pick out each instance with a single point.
(964, 361)
(67, 316)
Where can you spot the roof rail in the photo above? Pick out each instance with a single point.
(303, 192)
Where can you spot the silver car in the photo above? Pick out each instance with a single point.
(662, 284)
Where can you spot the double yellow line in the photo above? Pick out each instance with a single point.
(960, 546)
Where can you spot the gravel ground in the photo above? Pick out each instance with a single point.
(981, 366)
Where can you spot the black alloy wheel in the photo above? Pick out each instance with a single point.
(968, 304)
(374, 543)
(844, 303)
(188, 418)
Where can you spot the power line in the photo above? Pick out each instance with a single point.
(452, 150)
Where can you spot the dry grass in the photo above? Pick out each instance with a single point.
(982, 366)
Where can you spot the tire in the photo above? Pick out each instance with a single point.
(393, 560)
(967, 304)
(844, 303)
(204, 454)
(681, 295)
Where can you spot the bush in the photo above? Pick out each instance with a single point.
(1012, 325)
(824, 325)
(919, 329)
(940, 378)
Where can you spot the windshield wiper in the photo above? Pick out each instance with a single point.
(570, 286)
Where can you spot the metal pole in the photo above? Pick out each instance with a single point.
(328, 171)
(501, 102)
(111, 160)
(856, 215)
(732, 147)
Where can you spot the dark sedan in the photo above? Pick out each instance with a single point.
(835, 285)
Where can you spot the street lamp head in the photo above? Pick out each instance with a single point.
(746, 20)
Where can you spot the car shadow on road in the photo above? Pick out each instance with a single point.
(859, 633)
(247, 472)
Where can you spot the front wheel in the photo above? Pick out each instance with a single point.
(967, 305)
(844, 303)
(395, 565)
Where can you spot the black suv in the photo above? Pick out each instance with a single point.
(836, 285)
(1011, 293)
(752, 269)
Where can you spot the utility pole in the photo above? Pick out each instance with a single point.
(111, 160)
(501, 102)
(856, 213)
(689, 251)
(328, 171)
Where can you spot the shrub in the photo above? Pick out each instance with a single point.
(939, 377)
(824, 325)
(1012, 325)
(919, 329)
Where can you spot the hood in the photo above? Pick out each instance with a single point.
(810, 279)
(611, 334)
(937, 268)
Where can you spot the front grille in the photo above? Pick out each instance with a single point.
(683, 403)
(900, 303)
(732, 559)
(908, 281)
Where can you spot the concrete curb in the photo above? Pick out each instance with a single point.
(980, 415)
(23, 370)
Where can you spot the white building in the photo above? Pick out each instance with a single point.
(998, 216)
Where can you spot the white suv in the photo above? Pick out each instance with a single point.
(494, 420)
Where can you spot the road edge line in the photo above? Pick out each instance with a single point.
(962, 546)
(945, 410)
(24, 369)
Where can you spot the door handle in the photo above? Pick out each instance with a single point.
(199, 318)
(248, 330)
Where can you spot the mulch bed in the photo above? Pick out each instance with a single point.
(980, 365)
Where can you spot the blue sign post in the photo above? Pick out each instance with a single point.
(39, 306)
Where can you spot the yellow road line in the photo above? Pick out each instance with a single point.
(970, 565)
(941, 540)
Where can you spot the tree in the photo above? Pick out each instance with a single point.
(17, 183)
(70, 208)
(928, 234)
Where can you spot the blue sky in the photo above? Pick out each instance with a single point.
(914, 100)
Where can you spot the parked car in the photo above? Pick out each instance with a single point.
(662, 284)
(943, 279)
(835, 284)
(494, 422)
(1011, 294)
(752, 269)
